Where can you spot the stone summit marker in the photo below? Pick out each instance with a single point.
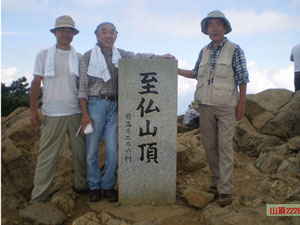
(147, 131)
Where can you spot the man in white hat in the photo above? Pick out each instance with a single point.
(98, 93)
(222, 77)
(58, 68)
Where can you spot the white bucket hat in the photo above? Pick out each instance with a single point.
(216, 14)
(65, 22)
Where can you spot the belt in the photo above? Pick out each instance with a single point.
(107, 97)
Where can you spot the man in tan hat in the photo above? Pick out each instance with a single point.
(58, 68)
(222, 76)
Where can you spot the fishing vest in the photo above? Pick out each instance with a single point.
(221, 89)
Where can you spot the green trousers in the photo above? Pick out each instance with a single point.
(54, 130)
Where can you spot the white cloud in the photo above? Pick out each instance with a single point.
(180, 25)
(186, 86)
(262, 79)
(11, 74)
(18, 5)
(95, 3)
(15, 33)
(245, 22)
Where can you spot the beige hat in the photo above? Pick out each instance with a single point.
(216, 14)
(65, 22)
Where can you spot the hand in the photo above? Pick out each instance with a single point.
(240, 110)
(166, 56)
(85, 119)
(35, 118)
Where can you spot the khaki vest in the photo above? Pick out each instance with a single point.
(222, 91)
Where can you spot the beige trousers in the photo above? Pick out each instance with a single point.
(217, 125)
(54, 130)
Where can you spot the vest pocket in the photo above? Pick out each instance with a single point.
(222, 70)
(222, 94)
(201, 70)
(200, 90)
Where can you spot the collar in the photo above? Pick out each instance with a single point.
(210, 45)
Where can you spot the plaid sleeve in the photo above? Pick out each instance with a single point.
(83, 77)
(195, 70)
(239, 66)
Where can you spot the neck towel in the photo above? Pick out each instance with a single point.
(98, 67)
(73, 62)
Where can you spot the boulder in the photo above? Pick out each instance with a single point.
(89, 218)
(294, 144)
(43, 213)
(197, 198)
(286, 123)
(247, 140)
(268, 162)
(262, 107)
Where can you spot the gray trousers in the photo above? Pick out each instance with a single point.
(217, 125)
(54, 130)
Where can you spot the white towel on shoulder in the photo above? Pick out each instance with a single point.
(73, 62)
(98, 67)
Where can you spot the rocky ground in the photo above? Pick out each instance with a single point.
(267, 170)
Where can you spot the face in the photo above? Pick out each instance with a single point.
(106, 36)
(216, 30)
(64, 36)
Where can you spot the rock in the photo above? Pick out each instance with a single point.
(190, 152)
(144, 223)
(215, 215)
(280, 150)
(107, 219)
(89, 218)
(262, 107)
(268, 162)
(247, 140)
(252, 201)
(295, 196)
(286, 123)
(10, 152)
(289, 167)
(294, 144)
(197, 198)
(43, 214)
(64, 202)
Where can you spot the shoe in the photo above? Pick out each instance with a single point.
(94, 195)
(80, 191)
(110, 195)
(224, 199)
(213, 189)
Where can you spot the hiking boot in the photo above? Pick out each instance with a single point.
(224, 199)
(213, 189)
(94, 195)
(80, 191)
(110, 195)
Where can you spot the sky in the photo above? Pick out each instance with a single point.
(265, 30)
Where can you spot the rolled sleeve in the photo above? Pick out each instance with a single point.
(83, 78)
(239, 66)
(196, 68)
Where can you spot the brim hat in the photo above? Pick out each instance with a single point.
(65, 22)
(216, 14)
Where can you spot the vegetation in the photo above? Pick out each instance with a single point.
(14, 96)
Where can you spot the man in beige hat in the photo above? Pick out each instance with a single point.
(222, 76)
(58, 68)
